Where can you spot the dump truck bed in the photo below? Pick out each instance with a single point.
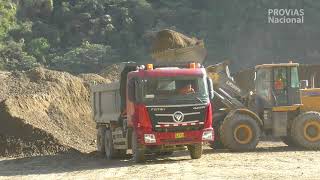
(106, 102)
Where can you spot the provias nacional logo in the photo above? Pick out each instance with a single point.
(286, 16)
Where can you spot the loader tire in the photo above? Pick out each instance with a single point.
(137, 150)
(195, 151)
(240, 133)
(305, 130)
(109, 149)
(101, 139)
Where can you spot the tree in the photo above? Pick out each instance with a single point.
(7, 17)
(12, 57)
(39, 48)
(86, 58)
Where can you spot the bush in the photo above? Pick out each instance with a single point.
(12, 57)
(38, 48)
(7, 17)
(84, 59)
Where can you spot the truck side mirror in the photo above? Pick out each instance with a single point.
(304, 84)
(210, 88)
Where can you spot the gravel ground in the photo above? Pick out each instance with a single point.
(271, 160)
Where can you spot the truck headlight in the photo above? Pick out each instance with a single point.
(207, 135)
(149, 138)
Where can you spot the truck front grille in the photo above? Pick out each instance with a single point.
(174, 118)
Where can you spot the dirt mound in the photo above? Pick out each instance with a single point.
(44, 112)
(111, 73)
(168, 39)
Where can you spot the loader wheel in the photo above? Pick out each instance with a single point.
(109, 149)
(240, 133)
(195, 151)
(101, 139)
(305, 130)
(137, 149)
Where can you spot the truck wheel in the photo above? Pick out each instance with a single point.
(288, 141)
(240, 133)
(137, 149)
(305, 130)
(195, 151)
(101, 139)
(109, 149)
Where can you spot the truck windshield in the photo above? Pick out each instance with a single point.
(174, 88)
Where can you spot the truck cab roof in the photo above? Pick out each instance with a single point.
(167, 72)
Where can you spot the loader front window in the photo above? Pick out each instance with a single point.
(263, 84)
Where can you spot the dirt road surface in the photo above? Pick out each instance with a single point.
(272, 160)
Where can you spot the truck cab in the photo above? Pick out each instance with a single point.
(162, 109)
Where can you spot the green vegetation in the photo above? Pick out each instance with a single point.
(87, 35)
(7, 17)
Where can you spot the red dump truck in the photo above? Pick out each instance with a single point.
(154, 110)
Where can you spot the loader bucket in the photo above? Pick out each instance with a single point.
(170, 47)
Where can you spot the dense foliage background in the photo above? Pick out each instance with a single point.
(87, 35)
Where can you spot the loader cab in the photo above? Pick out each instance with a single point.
(278, 84)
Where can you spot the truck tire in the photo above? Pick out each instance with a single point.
(137, 150)
(109, 149)
(195, 151)
(305, 130)
(101, 139)
(288, 141)
(240, 133)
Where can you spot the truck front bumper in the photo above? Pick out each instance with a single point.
(177, 138)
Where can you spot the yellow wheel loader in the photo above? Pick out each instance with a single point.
(280, 106)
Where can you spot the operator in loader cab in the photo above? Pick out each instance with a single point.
(279, 83)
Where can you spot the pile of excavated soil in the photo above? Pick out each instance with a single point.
(45, 112)
(168, 39)
(111, 73)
